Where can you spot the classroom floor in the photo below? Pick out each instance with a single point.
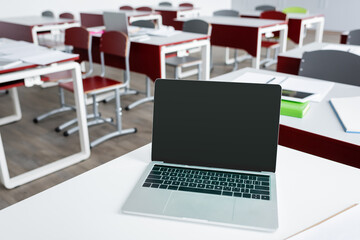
(28, 145)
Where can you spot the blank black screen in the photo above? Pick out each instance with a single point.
(216, 124)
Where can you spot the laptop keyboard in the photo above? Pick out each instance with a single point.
(210, 182)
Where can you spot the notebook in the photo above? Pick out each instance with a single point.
(213, 155)
(348, 111)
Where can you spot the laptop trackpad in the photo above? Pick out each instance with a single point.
(200, 206)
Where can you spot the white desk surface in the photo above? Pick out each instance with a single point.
(320, 118)
(181, 37)
(89, 206)
(173, 8)
(129, 13)
(233, 21)
(36, 20)
(289, 15)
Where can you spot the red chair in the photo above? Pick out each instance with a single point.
(186, 5)
(79, 38)
(126, 7)
(271, 43)
(144, 9)
(67, 15)
(116, 44)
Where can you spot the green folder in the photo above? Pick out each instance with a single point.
(294, 109)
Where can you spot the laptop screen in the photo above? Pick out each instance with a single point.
(216, 124)
(115, 21)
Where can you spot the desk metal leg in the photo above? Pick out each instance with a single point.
(80, 113)
(16, 106)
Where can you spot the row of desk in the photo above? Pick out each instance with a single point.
(89, 206)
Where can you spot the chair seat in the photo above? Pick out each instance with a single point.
(270, 44)
(5, 86)
(182, 61)
(92, 84)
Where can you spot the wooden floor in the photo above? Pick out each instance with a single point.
(28, 145)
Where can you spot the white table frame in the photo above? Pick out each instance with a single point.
(205, 49)
(54, 28)
(319, 21)
(84, 153)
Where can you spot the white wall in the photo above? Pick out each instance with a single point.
(14, 8)
(340, 15)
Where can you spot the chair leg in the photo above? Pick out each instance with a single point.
(96, 115)
(63, 108)
(199, 71)
(119, 131)
(235, 60)
(148, 97)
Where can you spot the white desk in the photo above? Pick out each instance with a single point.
(320, 120)
(297, 24)
(243, 33)
(95, 18)
(25, 71)
(27, 28)
(89, 206)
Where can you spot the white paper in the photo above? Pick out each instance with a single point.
(48, 57)
(344, 226)
(163, 32)
(250, 77)
(318, 87)
(348, 111)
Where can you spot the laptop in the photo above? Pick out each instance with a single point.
(118, 21)
(214, 149)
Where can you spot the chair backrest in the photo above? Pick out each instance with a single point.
(80, 38)
(331, 65)
(186, 5)
(143, 23)
(276, 15)
(294, 10)
(126, 7)
(67, 15)
(354, 37)
(145, 9)
(47, 13)
(77, 37)
(197, 26)
(115, 43)
(265, 8)
(165, 4)
(227, 13)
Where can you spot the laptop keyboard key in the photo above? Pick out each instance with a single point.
(167, 182)
(146, 184)
(199, 190)
(246, 195)
(261, 188)
(154, 176)
(237, 195)
(264, 197)
(264, 179)
(173, 187)
(227, 193)
(155, 172)
(162, 186)
(192, 184)
(209, 187)
(155, 185)
(260, 192)
(265, 183)
(218, 188)
(184, 184)
(153, 181)
(256, 196)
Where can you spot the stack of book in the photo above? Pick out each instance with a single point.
(294, 109)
